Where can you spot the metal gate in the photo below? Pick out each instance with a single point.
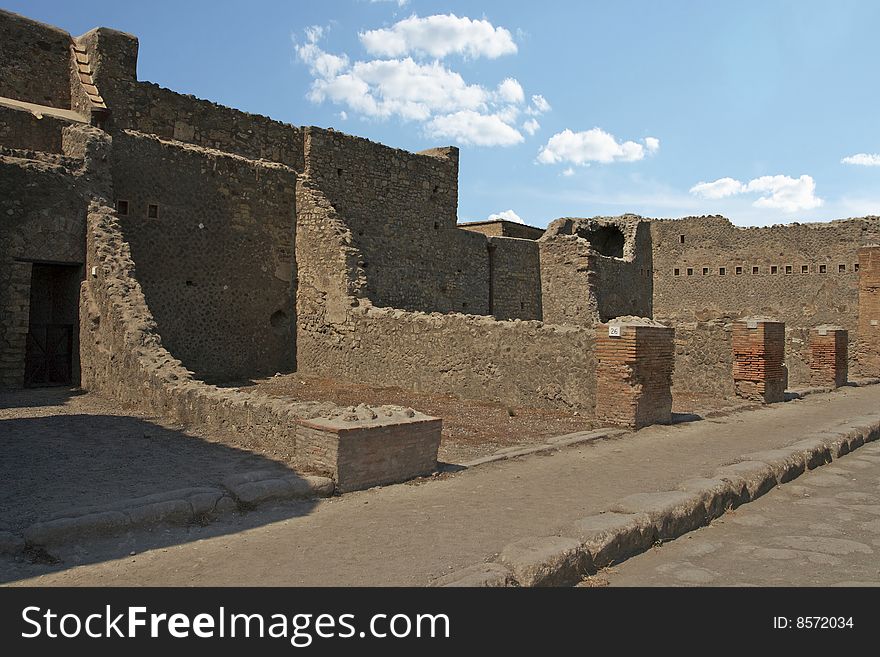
(48, 359)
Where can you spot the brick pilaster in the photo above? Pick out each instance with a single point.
(759, 360)
(634, 373)
(829, 356)
(869, 311)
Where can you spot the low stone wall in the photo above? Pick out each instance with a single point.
(516, 362)
(123, 357)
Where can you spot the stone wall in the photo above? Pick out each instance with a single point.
(704, 358)
(514, 279)
(34, 61)
(42, 219)
(151, 109)
(517, 363)
(21, 129)
(123, 357)
(826, 292)
(596, 269)
(400, 209)
(212, 235)
(502, 228)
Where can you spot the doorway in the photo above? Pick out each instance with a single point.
(52, 351)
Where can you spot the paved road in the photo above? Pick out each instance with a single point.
(412, 534)
(823, 529)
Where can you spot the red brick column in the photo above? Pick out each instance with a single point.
(829, 356)
(634, 372)
(869, 311)
(759, 360)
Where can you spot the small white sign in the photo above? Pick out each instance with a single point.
(614, 331)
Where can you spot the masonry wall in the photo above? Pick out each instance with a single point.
(21, 129)
(799, 299)
(42, 219)
(868, 344)
(582, 286)
(34, 61)
(503, 228)
(515, 278)
(217, 262)
(400, 208)
(149, 108)
(518, 363)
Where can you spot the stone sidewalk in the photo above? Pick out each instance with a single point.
(415, 534)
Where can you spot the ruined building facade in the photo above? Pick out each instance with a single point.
(154, 244)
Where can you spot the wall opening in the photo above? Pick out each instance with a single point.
(52, 349)
(607, 240)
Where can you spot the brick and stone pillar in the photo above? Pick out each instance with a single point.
(869, 311)
(634, 373)
(829, 356)
(759, 360)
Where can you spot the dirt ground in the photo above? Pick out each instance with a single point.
(470, 428)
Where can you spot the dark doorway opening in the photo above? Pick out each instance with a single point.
(52, 352)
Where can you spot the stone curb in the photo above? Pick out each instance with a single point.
(179, 507)
(551, 445)
(637, 522)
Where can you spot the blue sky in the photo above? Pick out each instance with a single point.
(665, 109)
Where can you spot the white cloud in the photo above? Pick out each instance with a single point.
(720, 188)
(539, 105)
(593, 145)
(506, 215)
(785, 193)
(777, 192)
(568, 172)
(438, 36)
(384, 88)
(863, 159)
(511, 91)
(427, 92)
(343, 115)
(469, 127)
(531, 126)
(400, 3)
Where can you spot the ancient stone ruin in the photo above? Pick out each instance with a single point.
(154, 245)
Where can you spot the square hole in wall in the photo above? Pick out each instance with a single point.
(122, 208)
(841, 269)
(788, 269)
(774, 269)
(676, 272)
(152, 211)
(822, 269)
(722, 271)
(705, 271)
(754, 270)
(856, 267)
(739, 271)
(681, 239)
(805, 269)
(690, 271)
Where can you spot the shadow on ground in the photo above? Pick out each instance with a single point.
(53, 464)
(30, 397)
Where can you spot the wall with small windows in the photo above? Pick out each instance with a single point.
(706, 268)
